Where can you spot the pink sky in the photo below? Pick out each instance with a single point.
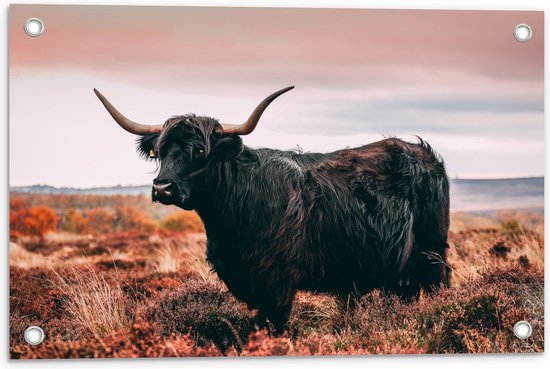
(457, 78)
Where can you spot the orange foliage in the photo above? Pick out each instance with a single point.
(141, 340)
(74, 222)
(128, 218)
(103, 221)
(19, 211)
(42, 219)
(17, 204)
(100, 220)
(35, 221)
(182, 222)
(30, 214)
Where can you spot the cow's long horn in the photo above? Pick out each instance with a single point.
(127, 124)
(248, 126)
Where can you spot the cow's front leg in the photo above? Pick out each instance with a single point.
(274, 318)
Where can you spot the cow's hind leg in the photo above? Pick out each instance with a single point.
(434, 269)
(397, 244)
(407, 287)
(428, 269)
(431, 236)
(431, 230)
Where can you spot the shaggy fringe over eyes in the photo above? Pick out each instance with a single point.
(145, 144)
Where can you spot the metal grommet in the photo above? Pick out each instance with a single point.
(523, 32)
(34, 27)
(34, 335)
(523, 329)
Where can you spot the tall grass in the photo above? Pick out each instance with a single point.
(24, 259)
(95, 301)
(475, 252)
(185, 256)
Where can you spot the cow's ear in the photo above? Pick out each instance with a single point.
(226, 148)
(146, 146)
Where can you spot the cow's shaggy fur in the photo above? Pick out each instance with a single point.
(349, 221)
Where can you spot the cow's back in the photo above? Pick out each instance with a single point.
(363, 205)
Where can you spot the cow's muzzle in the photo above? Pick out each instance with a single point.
(162, 192)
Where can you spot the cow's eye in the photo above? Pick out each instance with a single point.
(199, 154)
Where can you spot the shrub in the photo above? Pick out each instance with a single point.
(206, 311)
(128, 218)
(35, 221)
(182, 222)
(510, 226)
(151, 285)
(100, 220)
(74, 222)
(313, 313)
(141, 340)
(18, 204)
(480, 316)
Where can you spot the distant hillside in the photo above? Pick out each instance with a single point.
(114, 190)
(495, 194)
(466, 194)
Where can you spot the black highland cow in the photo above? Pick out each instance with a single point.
(277, 222)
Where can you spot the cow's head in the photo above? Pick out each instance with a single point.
(186, 147)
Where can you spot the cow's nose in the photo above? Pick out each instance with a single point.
(162, 190)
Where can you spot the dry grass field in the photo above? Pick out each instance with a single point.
(101, 285)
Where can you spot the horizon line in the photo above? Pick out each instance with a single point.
(452, 178)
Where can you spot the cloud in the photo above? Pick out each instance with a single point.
(115, 39)
(359, 75)
(471, 105)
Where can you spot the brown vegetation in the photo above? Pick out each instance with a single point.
(33, 221)
(36, 215)
(110, 281)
